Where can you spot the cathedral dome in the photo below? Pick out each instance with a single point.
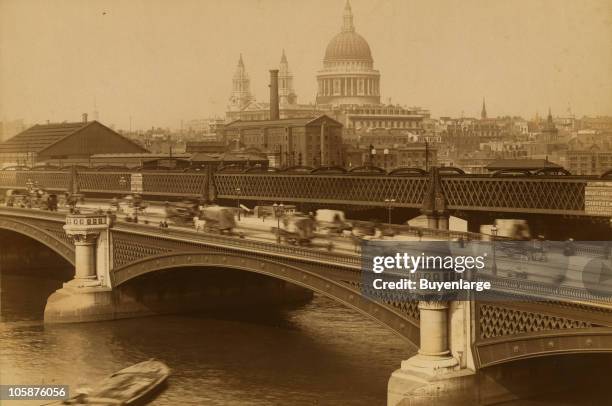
(348, 45)
(348, 75)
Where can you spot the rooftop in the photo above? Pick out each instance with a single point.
(226, 157)
(40, 136)
(285, 122)
(527, 164)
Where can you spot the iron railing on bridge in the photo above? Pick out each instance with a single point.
(534, 194)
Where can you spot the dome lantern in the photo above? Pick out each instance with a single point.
(348, 18)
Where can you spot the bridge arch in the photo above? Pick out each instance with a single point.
(344, 294)
(544, 343)
(46, 238)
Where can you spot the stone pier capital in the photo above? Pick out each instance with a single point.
(433, 305)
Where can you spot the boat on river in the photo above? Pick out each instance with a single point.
(133, 385)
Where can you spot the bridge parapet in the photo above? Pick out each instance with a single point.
(565, 195)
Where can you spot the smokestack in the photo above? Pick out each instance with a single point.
(274, 113)
(84, 117)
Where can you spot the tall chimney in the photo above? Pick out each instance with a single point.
(84, 117)
(274, 113)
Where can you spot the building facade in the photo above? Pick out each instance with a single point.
(416, 155)
(364, 118)
(290, 142)
(589, 162)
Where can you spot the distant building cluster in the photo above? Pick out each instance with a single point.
(346, 125)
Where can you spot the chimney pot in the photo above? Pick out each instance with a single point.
(84, 117)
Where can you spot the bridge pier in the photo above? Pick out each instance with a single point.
(430, 376)
(88, 296)
(438, 221)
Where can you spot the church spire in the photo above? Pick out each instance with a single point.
(550, 119)
(241, 87)
(347, 18)
(483, 113)
(285, 83)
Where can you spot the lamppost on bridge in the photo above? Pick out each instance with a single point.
(279, 210)
(238, 191)
(122, 182)
(389, 203)
(372, 155)
(385, 154)
(493, 236)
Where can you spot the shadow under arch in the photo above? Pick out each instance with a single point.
(391, 319)
(46, 238)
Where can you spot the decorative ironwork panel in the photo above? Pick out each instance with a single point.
(392, 299)
(53, 180)
(497, 321)
(357, 190)
(128, 248)
(99, 182)
(554, 195)
(8, 179)
(177, 184)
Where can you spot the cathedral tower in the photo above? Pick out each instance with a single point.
(241, 88)
(285, 83)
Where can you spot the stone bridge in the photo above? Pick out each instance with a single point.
(458, 337)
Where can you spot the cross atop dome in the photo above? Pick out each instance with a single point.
(347, 18)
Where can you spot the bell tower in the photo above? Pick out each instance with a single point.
(285, 83)
(241, 88)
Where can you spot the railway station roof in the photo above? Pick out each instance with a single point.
(80, 138)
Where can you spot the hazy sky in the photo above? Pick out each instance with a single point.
(163, 61)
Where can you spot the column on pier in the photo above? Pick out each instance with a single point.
(85, 255)
(84, 230)
(434, 328)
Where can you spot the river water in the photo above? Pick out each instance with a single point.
(320, 353)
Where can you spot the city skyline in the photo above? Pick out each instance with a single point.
(134, 60)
